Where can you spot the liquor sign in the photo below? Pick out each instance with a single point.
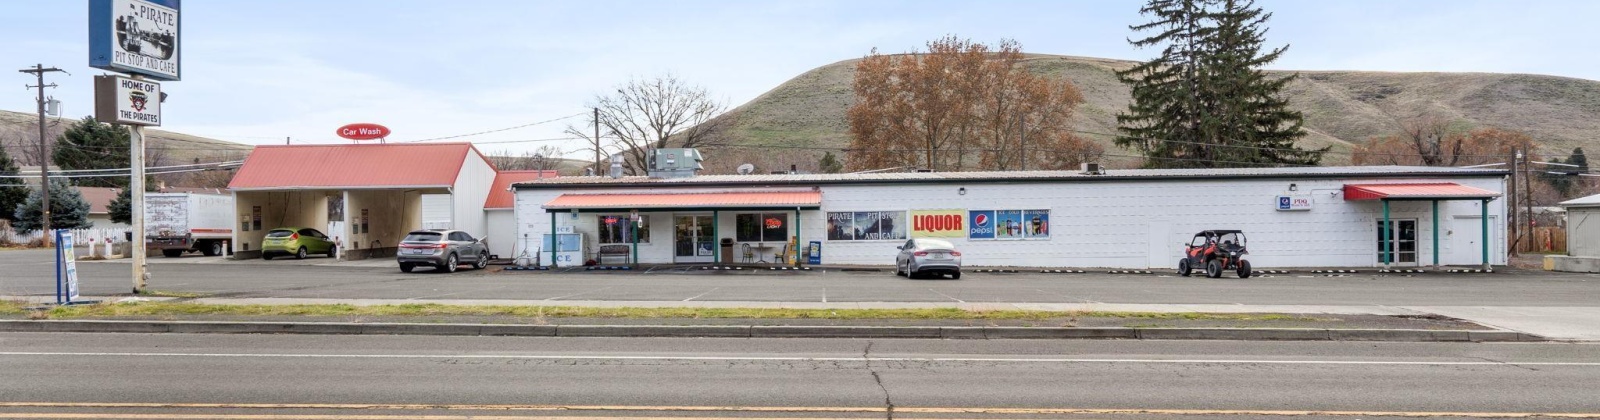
(66, 268)
(363, 131)
(123, 100)
(135, 36)
(1298, 202)
(938, 223)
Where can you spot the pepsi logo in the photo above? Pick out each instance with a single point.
(981, 221)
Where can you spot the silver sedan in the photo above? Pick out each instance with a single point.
(928, 256)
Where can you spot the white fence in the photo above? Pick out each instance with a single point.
(79, 236)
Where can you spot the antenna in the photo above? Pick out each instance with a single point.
(746, 169)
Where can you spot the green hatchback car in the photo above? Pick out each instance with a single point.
(296, 241)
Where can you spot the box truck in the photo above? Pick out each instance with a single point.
(176, 223)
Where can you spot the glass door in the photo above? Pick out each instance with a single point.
(1402, 240)
(692, 239)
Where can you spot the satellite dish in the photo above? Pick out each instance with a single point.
(746, 169)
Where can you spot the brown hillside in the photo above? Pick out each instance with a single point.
(1341, 107)
(19, 134)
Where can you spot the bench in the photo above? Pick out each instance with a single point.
(613, 251)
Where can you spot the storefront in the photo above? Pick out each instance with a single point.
(1293, 217)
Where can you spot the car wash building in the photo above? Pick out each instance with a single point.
(363, 196)
(1363, 216)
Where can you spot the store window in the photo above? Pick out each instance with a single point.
(616, 229)
(761, 227)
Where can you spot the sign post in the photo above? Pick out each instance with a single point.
(66, 268)
(142, 39)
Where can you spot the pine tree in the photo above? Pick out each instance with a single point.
(829, 164)
(1205, 102)
(121, 209)
(13, 192)
(1577, 158)
(89, 144)
(68, 209)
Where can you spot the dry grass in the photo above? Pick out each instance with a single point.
(1341, 107)
(169, 309)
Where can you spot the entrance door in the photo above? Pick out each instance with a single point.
(1466, 241)
(692, 240)
(1402, 239)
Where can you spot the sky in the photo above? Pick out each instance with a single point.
(258, 72)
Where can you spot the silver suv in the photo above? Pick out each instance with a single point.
(442, 249)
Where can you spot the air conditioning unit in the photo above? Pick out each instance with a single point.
(1093, 169)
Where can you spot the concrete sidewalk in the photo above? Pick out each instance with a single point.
(1558, 323)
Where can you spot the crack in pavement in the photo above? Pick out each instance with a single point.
(1508, 364)
(888, 402)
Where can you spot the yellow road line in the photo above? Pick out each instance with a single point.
(640, 408)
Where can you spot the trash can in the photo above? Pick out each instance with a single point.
(727, 250)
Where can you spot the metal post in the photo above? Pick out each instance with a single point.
(796, 247)
(1435, 233)
(553, 239)
(141, 275)
(716, 240)
(597, 168)
(635, 230)
(1383, 235)
(38, 71)
(1485, 221)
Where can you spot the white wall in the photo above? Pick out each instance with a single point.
(1583, 231)
(1119, 224)
(502, 233)
(471, 189)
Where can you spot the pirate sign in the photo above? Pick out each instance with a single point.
(136, 100)
(123, 100)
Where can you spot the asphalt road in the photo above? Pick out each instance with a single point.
(31, 273)
(63, 373)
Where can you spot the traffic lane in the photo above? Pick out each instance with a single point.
(803, 373)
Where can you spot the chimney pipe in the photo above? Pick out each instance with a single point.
(616, 166)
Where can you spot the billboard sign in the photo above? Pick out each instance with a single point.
(938, 223)
(135, 36)
(867, 226)
(123, 100)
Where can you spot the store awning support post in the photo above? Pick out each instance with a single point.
(1485, 239)
(1383, 236)
(796, 247)
(553, 239)
(635, 230)
(716, 240)
(1435, 233)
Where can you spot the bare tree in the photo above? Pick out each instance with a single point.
(594, 143)
(546, 158)
(653, 113)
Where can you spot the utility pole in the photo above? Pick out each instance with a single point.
(285, 140)
(38, 72)
(1527, 182)
(597, 141)
(1022, 142)
(141, 273)
(1512, 208)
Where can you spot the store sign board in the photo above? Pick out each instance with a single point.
(938, 223)
(1297, 202)
(123, 100)
(135, 36)
(363, 131)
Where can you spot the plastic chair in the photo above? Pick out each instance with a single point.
(748, 255)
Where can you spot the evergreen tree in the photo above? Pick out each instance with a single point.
(1577, 158)
(120, 209)
(68, 209)
(13, 192)
(89, 144)
(1205, 102)
(829, 164)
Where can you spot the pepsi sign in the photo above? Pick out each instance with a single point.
(980, 224)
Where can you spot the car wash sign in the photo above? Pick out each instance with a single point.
(122, 100)
(135, 36)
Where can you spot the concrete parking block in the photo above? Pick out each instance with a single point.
(1061, 333)
(1259, 334)
(962, 333)
(652, 331)
(772, 331)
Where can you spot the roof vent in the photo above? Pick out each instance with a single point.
(616, 166)
(924, 170)
(1093, 169)
(673, 163)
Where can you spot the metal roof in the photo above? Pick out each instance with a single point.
(1437, 190)
(500, 196)
(352, 166)
(1590, 201)
(1013, 176)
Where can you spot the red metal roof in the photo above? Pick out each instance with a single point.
(696, 200)
(500, 196)
(1440, 190)
(352, 166)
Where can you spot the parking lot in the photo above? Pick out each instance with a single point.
(32, 273)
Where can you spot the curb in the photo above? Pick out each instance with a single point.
(764, 331)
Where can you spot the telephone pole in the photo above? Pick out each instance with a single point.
(597, 140)
(38, 72)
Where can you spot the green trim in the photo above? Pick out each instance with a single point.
(1384, 241)
(1485, 239)
(1435, 233)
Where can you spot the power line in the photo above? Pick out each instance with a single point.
(497, 130)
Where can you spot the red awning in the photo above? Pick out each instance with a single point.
(731, 200)
(1434, 191)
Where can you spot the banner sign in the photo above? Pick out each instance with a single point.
(1296, 202)
(66, 268)
(867, 226)
(135, 36)
(1008, 224)
(122, 100)
(938, 223)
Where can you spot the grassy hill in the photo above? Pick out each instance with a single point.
(1341, 108)
(19, 134)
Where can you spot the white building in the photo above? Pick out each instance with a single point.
(1292, 217)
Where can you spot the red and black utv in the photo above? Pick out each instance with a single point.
(1215, 251)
